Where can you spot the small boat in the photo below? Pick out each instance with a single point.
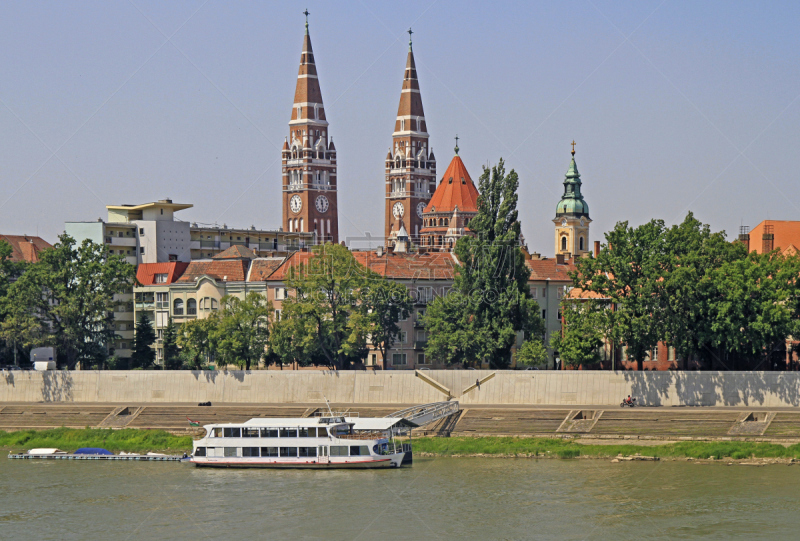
(46, 452)
(94, 451)
(328, 441)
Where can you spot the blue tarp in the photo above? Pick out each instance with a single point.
(93, 451)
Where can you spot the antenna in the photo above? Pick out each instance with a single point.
(328, 404)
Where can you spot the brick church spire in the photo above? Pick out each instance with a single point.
(309, 158)
(410, 165)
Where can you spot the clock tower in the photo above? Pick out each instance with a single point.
(308, 158)
(572, 215)
(410, 163)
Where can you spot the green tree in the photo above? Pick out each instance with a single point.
(581, 337)
(19, 329)
(143, 355)
(324, 307)
(490, 301)
(626, 272)
(292, 341)
(242, 329)
(172, 353)
(532, 353)
(194, 339)
(386, 303)
(70, 290)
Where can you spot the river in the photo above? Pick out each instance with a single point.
(438, 498)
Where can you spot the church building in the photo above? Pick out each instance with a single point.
(410, 163)
(572, 216)
(453, 205)
(308, 159)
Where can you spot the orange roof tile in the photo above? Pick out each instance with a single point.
(236, 252)
(455, 190)
(25, 248)
(261, 269)
(145, 273)
(549, 269)
(225, 270)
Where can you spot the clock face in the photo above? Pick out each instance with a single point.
(563, 221)
(420, 209)
(398, 210)
(296, 204)
(321, 203)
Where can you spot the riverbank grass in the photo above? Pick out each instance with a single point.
(558, 448)
(130, 440)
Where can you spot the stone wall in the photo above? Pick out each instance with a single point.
(590, 388)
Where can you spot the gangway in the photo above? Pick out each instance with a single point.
(427, 413)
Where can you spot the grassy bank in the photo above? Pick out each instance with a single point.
(130, 440)
(568, 449)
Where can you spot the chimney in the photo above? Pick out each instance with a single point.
(559, 259)
(379, 251)
(596, 248)
(744, 236)
(767, 239)
(536, 255)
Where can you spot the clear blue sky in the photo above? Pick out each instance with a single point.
(674, 106)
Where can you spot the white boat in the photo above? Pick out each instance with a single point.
(330, 441)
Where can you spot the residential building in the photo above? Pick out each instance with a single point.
(308, 159)
(25, 248)
(783, 235)
(410, 164)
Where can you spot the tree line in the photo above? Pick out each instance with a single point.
(713, 301)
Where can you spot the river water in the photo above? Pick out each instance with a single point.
(439, 498)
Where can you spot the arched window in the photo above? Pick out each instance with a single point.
(397, 162)
(564, 243)
(214, 304)
(581, 243)
(191, 307)
(177, 307)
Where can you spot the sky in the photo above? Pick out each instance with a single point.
(674, 106)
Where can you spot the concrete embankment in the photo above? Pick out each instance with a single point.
(469, 387)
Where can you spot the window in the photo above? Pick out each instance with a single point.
(141, 250)
(231, 451)
(191, 307)
(398, 359)
(580, 242)
(269, 432)
(200, 451)
(559, 292)
(233, 432)
(280, 293)
(359, 450)
(564, 243)
(162, 300)
(373, 359)
(288, 433)
(214, 304)
(544, 292)
(250, 433)
(420, 358)
(308, 451)
(162, 319)
(177, 307)
(288, 451)
(401, 337)
(534, 292)
(216, 432)
(277, 315)
(402, 125)
(269, 451)
(250, 451)
(544, 314)
(141, 231)
(160, 278)
(338, 450)
(119, 234)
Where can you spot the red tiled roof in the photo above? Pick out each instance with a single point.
(429, 266)
(225, 270)
(236, 252)
(294, 260)
(25, 247)
(145, 273)
(455, 190)
(549, 269)
(261, 269)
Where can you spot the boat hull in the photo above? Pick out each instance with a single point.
(389, 461)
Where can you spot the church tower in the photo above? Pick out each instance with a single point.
(410, 163)
(308, 158)
(572, 215)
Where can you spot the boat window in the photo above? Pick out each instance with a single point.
(288, 432)
(200, 451)
(250, 451)
(359, 450)
(249, 432)
(340, 430)
(269, 432)
(304, 432)
(322, 432)
(288, 451)
(231, 451)
(380, 449)
(234, 432)
(308, 451)
(216, 433)
(269, 451)
(323, 450)
(338, 450)
(213, 451)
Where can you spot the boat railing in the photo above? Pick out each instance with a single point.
(363, 436)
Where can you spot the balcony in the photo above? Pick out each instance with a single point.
(420, 344)
(145, 306)
(121, 241)
(418, 322)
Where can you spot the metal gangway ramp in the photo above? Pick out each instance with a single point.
(427, 413)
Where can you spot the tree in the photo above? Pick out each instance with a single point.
(325, 308)
(172, 353)
(293, 342)
(490, 301)
(241, 332)
(194, 339)
(143, 355)
(386, 303)
(532, 353)
(581, 336)
(19, 328)
(70, 290)
(626, 272)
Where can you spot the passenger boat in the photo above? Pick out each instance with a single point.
(329, 441)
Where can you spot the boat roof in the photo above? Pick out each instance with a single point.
(45, 451)
(359, 423)
(379, 423)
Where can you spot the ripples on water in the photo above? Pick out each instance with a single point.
(436, 499)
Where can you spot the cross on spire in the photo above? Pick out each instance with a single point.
(573, 147)
(456, 149)
(409, 38)
(306, 14)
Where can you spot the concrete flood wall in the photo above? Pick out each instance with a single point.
(599, 388)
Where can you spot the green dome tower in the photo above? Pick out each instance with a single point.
(572, 215)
